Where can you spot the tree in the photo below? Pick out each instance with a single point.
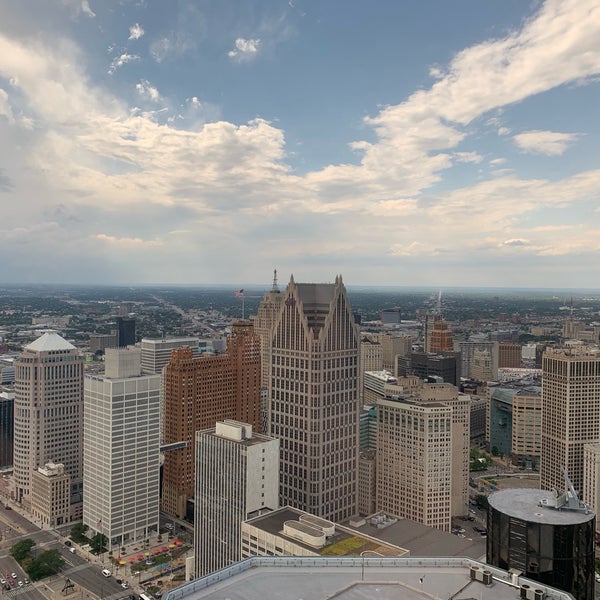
(78, 532)
(495, 451)
(20, 551)
(98, 543)
(46, 564)
(481, 501)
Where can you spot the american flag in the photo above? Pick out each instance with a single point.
(239, 294)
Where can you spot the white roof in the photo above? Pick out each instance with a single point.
(50, 341)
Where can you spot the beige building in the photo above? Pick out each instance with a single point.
(371, 359)
(570, 414)
(48, 414)
(414, 465)
(527, 424)
(292, 532)
(313, 399)
(391, 346)
(50, 495)
(367, 482)
(509, 355)
(482, 366)
(591, 478)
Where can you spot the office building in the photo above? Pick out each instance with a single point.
(156, 352)
(393, 345)
(367, 481)
(7, 411)
(391, 316)
(467, 351)
(99, 342)
(267, 313)
(288, 531)
(547, 538)
(370, 359)
(237, 472)
(414, 461)
(121, 456)
(509, 355)
(48, 414)
(313, 397)
(482, 366)
(444, 366)
(50, 495)
(368, 427)
(125, 332)
(439, 336)
(570, 414)
(198, 393)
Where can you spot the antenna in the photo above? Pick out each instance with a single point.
(275, 287)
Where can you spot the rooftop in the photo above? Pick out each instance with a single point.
(527, 504)
(357, 578)
(49, 341)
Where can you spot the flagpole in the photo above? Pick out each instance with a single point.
(243, 307)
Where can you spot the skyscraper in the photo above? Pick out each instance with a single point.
(198, 393)
(313, 399)
(125, 332)
(48, 412)
(121, 449)
(7, 420)
(236, 479)
(570, 415)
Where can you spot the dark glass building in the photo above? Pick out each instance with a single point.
(7, 404)
(549, 545)
(125, 332)
(442, 364)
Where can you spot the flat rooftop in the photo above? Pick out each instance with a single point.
(317, 578)
(425, 541)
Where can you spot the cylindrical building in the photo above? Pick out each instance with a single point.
(554, 546)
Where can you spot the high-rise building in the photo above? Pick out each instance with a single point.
(50, 495)
(467, 352)
(156, 352)
(570, 414)
(236, 479)
(392, 346)
(509, 355)
(440, 336)
(125, 332)
(442, 365)
(414, 455)
(198, 393)
(313, 397)
(121, 456)
(371, 359)
(48, 413)
(391, 316)
(268, 310)
(591, 478)
(482, 366)
(7, 405)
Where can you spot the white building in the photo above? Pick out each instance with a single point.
(121, 449)
(48, 413)
(156, 353)
(237, 477)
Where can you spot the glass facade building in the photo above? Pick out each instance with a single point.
(554, 547)
(7, 405)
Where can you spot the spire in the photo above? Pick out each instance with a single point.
(275, 287)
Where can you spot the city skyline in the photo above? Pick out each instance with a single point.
(429, 145)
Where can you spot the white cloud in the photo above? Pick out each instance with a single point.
(121, 60)
(5, 108)
(136, 32)
(497, 161)
(503, 131)
(550, 143)
(245, 49)
(126, 242)
(468, 157)
(80, 6)
(148, 91)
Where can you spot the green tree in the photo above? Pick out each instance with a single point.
(46, 564)
(495, 451)
(20, 551)
(481, 501)
(98, 543)
(78, 532)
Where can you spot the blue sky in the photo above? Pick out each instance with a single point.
(210, 141)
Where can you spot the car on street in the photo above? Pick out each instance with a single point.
(11, 582)
(2, 581)
(13, 575)
(124, 585)
(20, 583)
(67, 542)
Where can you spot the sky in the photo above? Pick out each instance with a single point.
(210, 141)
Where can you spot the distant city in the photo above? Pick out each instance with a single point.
(162, 434)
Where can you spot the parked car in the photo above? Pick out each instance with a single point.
(67, 542)
(124, 585)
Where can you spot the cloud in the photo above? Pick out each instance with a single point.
(126, 242)
(515, 242)
(468, 157)
(136, 32)
(497, 161)
(148, 91)
(550, 143)
(79, 7)
(245, 49)
(503, 131)
(121, 60)
(5, 108)
(6, 184)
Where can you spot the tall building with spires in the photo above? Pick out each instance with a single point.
(48, 413)
(313, 399)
